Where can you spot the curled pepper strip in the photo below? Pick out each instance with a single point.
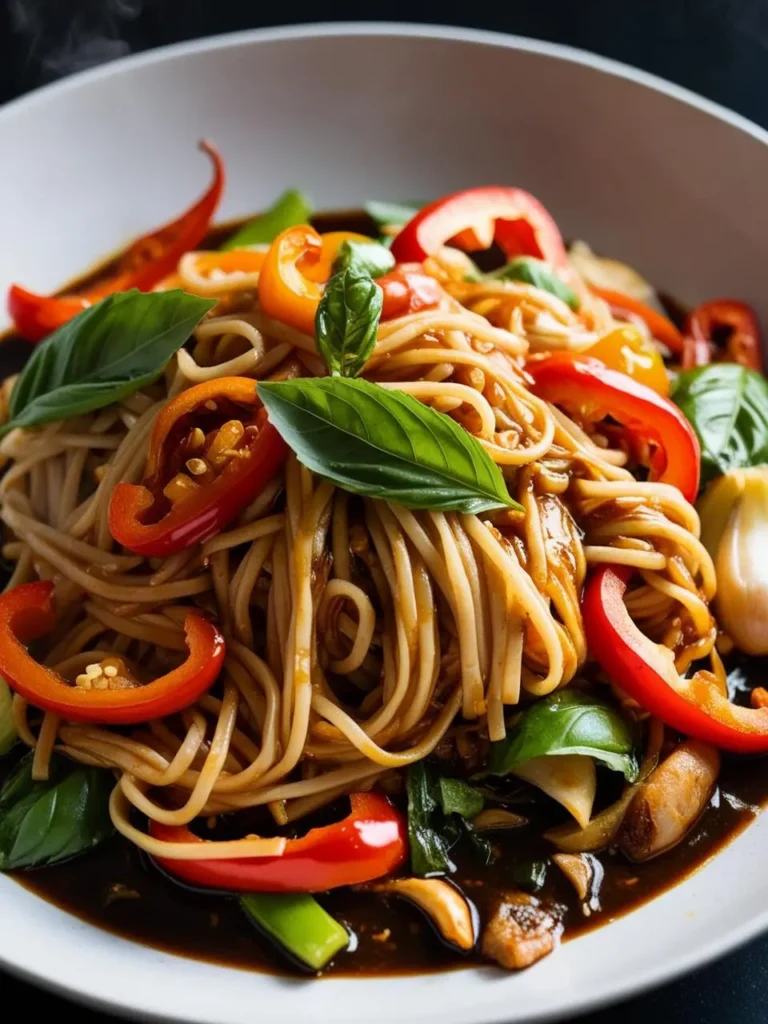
(475, 218)
(743, 344)
(646, 672)
(27, 612)
(587, 385)
(142, 519)
(148, 260)
(624, 307)
(368, 843)
(296, 268)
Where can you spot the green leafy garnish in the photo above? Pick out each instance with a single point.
(537, 273)
(384, 444)
(438, 809)
(390, 213)
(530, 875)
(103, 355)
(47, 822)
(458, 797)
(291, 208)
(568, 722)
(370, 258)
(346, 321)
(7, 729)
(727, 405)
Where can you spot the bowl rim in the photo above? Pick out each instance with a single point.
(615, 988)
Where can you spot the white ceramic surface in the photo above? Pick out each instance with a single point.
(640, 168)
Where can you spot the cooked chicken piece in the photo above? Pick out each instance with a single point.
(522, 931)
(670, 802)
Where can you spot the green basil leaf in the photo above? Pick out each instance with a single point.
(291, 208)
(536, 272)
(104, 354)
(347, 320)
(384, 444)
(429, 848)
(481, 848)
(7, 729)
(47, 822)
(366, 257)
(530, 875)
(568, 722)
(458, 797)
(390, 213)
(727, 405)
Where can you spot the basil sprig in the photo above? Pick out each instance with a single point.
(46, 822)
(529, 270)
(568, 722)
(727, 405)
(347, 320)
(367, 257)
(103, 355)
(384, 444)
(291, 208)
(438, 813)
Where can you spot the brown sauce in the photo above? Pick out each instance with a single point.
(118, 888)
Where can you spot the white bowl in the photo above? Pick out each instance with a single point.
(642, 169)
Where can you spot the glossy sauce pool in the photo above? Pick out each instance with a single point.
(118, 888)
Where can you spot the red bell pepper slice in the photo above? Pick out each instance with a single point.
(743, 344)
(27, 612)
(475, 218)
(144, 520)
(646, 672)
(146, 262)
(407, 289)
(368, 843)
(624, 307)
(587, 385)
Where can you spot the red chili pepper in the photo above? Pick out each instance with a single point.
(146, 262)
(174, 509)
(475, 218)
(624, 307)
(27, 612)
(368, 843)
(407, 289)
(646, 672)
(742, 345)
(586, 384)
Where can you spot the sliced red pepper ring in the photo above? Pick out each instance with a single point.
(368, 843)
(624, 307)
(475, 218)
(646, 672)
(28, 612)
(595, 391)
(407, 289)
(148, 260)
(203, 467)
(743, 344)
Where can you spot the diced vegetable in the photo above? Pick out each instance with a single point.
(302, 929)
(530, 875)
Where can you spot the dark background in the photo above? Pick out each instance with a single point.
(719, 48)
